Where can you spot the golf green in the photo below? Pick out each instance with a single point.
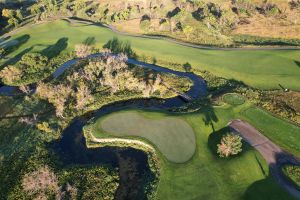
(205, 175)
(172, 136)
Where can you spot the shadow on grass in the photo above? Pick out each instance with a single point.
(55, 49)
(209, 114)
(215, 138)
(118, 46)
(20, 41)
(16, 58)
(297, 63)
(89, 41)
(266, 189)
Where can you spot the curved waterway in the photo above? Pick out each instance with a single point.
(72, 149)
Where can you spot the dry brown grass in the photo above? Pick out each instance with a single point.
(271, 27)
(129, 26)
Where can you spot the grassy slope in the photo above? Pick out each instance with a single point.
(206, 176)
(262, 69)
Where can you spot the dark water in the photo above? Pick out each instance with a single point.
(133, 165)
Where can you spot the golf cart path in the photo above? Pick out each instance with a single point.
(272, 153)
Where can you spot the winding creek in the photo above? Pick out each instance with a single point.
(135, 174)
(72, 149)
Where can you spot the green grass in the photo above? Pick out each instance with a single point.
(262, 69)
(205, 175)
(172, 136)
(279, 131)
(233, 99)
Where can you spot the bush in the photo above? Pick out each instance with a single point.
(2, 53)
(231, 144)
(233, 99)
(293, 173)
(145, 25)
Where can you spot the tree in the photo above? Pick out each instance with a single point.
(25, 89)
(231, 144)
(83, 50)
(187, 67)
(8, 13)
(188, 30)
(10, 74)
(19, 15)
(13, 21)
(2, 53)
(33, 62)
(83, 97)
(44, 127)
(79, 4)
(35, 9)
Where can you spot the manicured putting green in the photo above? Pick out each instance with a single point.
(233, 99)
(173, 137)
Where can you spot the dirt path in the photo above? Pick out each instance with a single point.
(271, 152)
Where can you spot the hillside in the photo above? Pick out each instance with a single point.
(217, 23)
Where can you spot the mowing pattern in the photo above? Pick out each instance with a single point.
(263, 69)
(172, 136)
(233, 99)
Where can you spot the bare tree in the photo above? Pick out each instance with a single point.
(25, 89)
(83, 97)
(83, 50)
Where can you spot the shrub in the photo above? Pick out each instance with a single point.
(2, 53)
(233, 99)
(83, 50)
(231, 144)
(293, 173)
(145, 24)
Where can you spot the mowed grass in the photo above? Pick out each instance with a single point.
(174, 137)
(233, 99)
(263, 69)
(205, 175)
(279, 131)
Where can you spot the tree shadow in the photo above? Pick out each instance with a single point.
(265, 189)
(89, 41)
(118, 46)
(297, 63)
(20, 41)
(55, 49)
(173, 13)
(199, 14)
(17, 57)
(215, 138)
(209, 114)
(275, 185)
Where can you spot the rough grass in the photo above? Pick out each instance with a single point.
(233, 99)
(205, 175)
(263, 69)
(172, 136)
